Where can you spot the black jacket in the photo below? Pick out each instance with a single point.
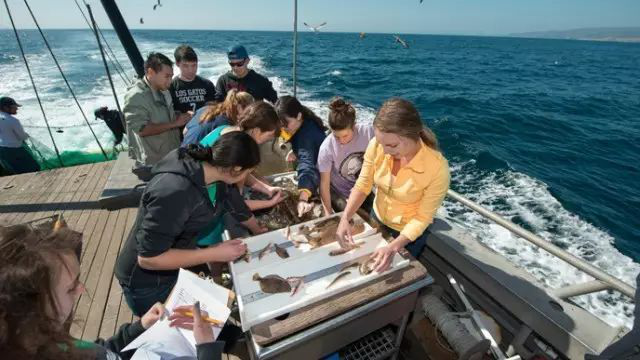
(128, 332)
(174, 208)
(255, 84)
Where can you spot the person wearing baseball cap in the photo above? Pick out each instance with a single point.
(14, 156)
(244, 79)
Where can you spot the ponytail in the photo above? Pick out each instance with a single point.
(231, 150)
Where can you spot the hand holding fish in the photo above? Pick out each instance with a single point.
(343, 234)
(383, 258)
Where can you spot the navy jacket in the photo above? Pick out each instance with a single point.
(306, 145)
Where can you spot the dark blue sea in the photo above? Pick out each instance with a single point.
(544, 132)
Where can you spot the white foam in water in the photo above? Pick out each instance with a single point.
(512, 194)
(509, 194)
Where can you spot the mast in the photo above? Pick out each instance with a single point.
(124, 35)
(295, 46)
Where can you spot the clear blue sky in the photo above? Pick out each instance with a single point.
(481, 17)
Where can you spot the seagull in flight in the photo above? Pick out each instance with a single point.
(141, 21)
(362, 35)
(315, 28)
(402, 42)
(156, 5)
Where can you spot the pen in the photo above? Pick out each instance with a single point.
(211, 321)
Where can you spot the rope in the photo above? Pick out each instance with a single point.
(65, 79)
(112, 56)
(35, 89)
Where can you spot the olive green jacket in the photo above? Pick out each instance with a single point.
(143, 105)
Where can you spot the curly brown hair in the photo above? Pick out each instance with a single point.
(30, 259)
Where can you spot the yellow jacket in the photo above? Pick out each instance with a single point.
(408, 201)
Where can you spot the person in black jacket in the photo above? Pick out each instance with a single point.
(307, 132)
(39, 287)
(174, 208)
(244, 79)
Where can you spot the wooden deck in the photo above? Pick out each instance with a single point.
(74, 192)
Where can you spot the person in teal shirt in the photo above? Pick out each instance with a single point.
(261, 122)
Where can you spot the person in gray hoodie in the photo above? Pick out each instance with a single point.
(174, 208)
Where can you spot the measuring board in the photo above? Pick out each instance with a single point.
(317, 268)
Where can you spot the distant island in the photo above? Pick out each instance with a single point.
(624, 34)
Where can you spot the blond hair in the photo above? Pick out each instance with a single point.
(228, 107)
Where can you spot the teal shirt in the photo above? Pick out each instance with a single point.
(212, 234)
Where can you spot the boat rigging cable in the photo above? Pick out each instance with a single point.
(35, 89)
(106, 69)
(110, 54)
(64, 77)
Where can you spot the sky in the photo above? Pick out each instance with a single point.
(458, 17)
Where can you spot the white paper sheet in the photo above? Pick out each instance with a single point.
(167, 342)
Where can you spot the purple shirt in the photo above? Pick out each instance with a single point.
(344, 161)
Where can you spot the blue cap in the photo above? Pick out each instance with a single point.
(237, 52)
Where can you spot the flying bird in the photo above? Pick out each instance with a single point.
(402, 42)
(157, 5)
(362, 35)
(315, 28)
(141, 21)
(421, 1)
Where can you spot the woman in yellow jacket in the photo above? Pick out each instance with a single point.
(411, 177)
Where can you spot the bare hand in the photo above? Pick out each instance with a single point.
(272, 190)
(383, 258)
(277, 198)
(230, 250)
(260, 230)
(327, 211)
(304, 207)
(183, 118)
(202, 331)
(343, 233)
(291, 157)
(152, 316)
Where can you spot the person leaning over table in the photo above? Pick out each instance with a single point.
(411, 177)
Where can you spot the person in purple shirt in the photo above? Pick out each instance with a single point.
(341, 154)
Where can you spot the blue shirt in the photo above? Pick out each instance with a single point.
(305, 143)
(196, 131)
(12, 134)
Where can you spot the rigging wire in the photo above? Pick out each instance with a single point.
(65, 79)
(112, 56)
(35, 89)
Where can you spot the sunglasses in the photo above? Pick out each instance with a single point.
(237, 64)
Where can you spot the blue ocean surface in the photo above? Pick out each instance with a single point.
(544, 132)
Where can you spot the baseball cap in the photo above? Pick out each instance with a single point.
(7, 101)
(237, 52)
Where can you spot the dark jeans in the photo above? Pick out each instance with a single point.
(17, 160)
(414, 248)
(142, 299)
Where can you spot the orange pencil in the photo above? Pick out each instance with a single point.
(211, 321)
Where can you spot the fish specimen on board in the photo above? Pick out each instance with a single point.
(274, 284)
(344, 250)
(324, 232)
(340, 276)
(264, 251)
(281, 251)
(365, 266)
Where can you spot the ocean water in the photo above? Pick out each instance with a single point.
(544, 132)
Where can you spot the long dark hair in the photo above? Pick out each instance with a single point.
(291, 107)
(233, 149)
(30, 259)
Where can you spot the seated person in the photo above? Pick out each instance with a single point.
(40, 285)
(306, 133)
(341, 155)
(411, 177)
(213, 115)
(244, 79)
